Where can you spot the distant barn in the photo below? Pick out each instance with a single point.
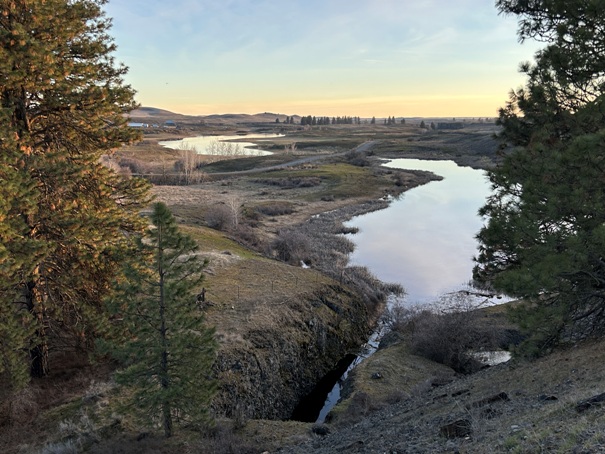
(138, 125)
(170, 124)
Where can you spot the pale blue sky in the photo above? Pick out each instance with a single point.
(331, 57)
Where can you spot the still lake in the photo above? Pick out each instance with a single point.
(425, 240)
(222, 145)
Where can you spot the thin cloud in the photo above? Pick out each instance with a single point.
(338, 50)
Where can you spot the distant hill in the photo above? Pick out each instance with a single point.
(153, 113)
(148, 114)
(266, 117)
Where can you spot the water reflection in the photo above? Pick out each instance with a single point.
(221, 145)
(426, 239)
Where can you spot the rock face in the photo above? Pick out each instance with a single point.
(266, 370)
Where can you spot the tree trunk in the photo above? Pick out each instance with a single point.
(166, 413)
(39, 360)
(164, 377)
(39, 352)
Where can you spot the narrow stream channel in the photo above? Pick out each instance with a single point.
(425, 241)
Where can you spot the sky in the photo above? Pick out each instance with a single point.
(403, 58)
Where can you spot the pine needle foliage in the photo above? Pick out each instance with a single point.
(545, 236)
(169, 351)
(65, 219)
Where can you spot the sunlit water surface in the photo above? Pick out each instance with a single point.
(425, 240)
(222, 145)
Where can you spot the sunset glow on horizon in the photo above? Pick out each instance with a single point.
(429, 58)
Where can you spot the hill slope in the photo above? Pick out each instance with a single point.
(153, 113)
(520, 406)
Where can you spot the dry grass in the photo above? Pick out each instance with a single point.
(400, 373)
(251, 290)
(538, 414)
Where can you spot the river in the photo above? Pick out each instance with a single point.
(425, 241)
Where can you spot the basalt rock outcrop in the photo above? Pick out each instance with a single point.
(265, 371)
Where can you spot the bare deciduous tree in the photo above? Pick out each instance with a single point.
(234, 205)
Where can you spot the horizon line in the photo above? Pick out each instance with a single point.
(453, 117)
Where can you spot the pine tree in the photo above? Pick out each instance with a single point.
(545, 236)
(63, 101)
(170, 351)
(17, 251)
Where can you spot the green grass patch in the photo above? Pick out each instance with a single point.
(339, 181)
(213, 240)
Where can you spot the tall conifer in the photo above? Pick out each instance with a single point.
(545, 236)
(170, 351)
(63, 102)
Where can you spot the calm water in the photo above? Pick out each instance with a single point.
(425, 241)
(222, 145)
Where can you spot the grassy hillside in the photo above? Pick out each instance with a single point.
(517, 407)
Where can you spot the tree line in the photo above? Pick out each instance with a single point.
(344, 120)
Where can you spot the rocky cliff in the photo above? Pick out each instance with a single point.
(279, 356)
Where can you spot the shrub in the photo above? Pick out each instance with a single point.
(291, 182)
(399, 180)
(246, 235)
(291, 246)
(367, 284)
(136, 166)
(277, 208)
(347, 230)
(448, 333)
(219, 217)
(18, 407)
(357, 158)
